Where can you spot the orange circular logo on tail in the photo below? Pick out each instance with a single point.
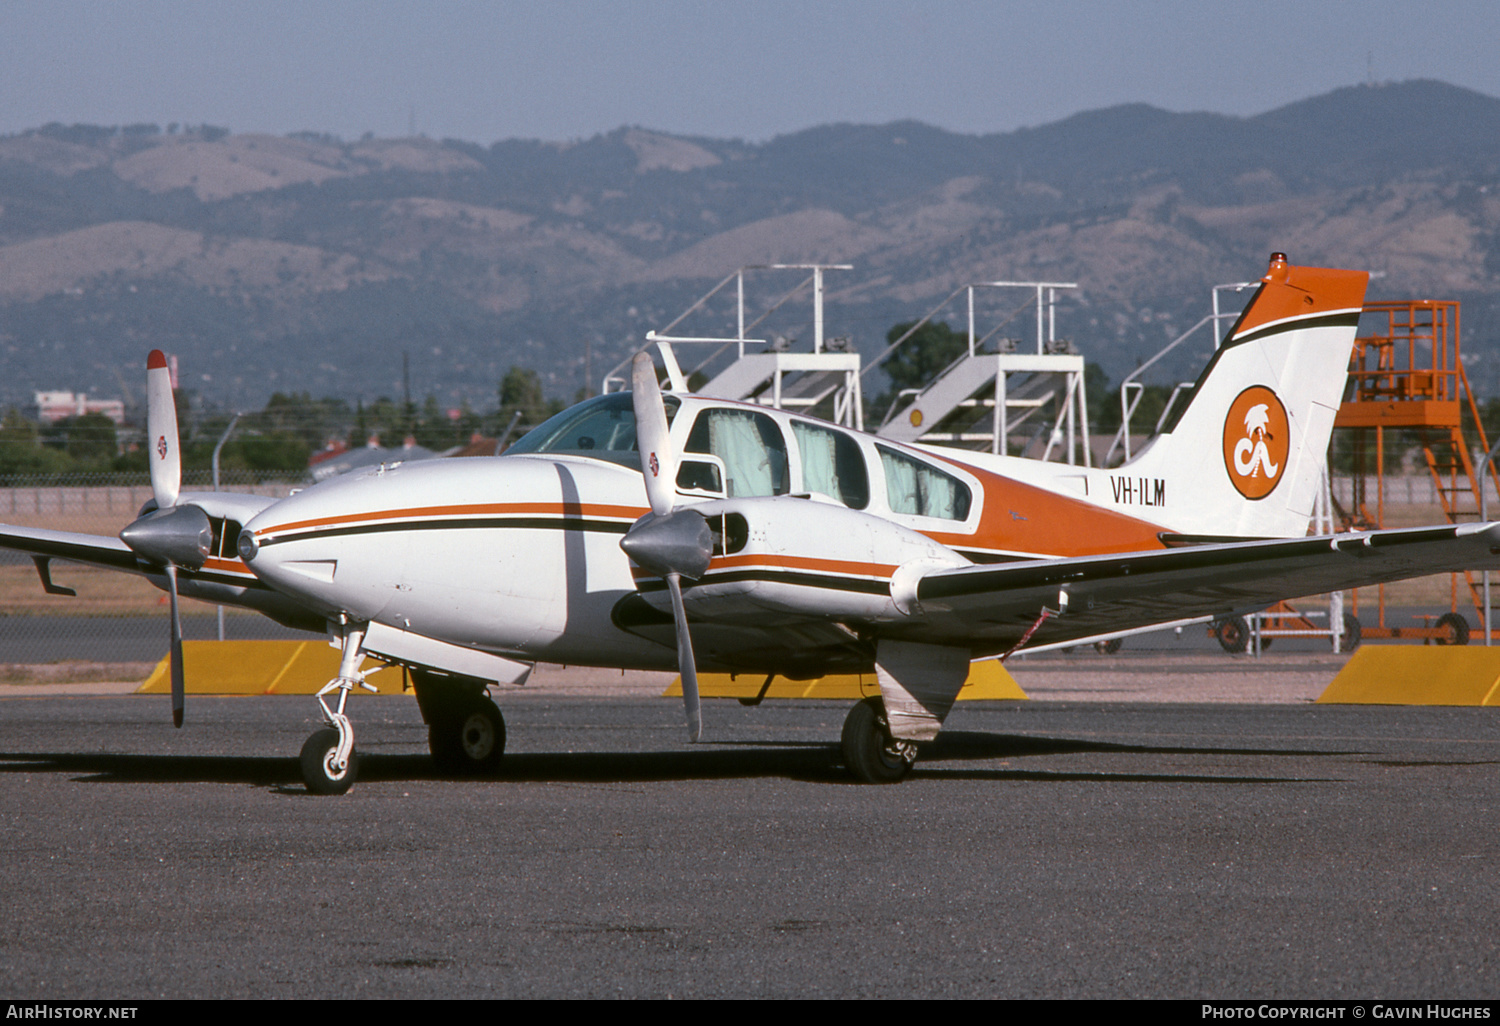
(1257, 442)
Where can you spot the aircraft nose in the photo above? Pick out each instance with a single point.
(246, 545)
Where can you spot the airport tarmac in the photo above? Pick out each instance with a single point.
(1282, 677)
(1105, 839)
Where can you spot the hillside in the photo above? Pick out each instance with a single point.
(311, 263)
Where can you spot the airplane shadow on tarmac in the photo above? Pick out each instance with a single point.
(950, 757)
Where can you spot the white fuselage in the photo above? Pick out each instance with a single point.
(520, 555)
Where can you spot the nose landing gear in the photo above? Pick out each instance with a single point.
(329, 762)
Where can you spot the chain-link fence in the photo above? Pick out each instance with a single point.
(118, 617)
(114, 618)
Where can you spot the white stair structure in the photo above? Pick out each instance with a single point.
(1132, 388)
(1020, 388)
(990, 399)
(767, 373)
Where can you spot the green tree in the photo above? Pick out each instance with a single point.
(521, 391)
(90, 440)
(314, 421)
(22, 451)
(923, 356)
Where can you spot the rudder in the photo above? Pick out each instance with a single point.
(1250, 445)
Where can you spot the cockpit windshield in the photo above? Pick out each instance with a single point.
(602, 428)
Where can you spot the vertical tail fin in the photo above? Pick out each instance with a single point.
(1246, 454)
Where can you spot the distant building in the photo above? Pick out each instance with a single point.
(52, 407)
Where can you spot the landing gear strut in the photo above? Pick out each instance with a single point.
(870, 753)
(329, 762)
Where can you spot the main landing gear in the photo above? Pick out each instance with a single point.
(870, 753)
(329, 762)
(465, 731)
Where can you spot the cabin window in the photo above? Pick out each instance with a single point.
(922, 490)
(832, 464)
(749, 444)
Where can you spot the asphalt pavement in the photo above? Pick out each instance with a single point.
(1052, 848)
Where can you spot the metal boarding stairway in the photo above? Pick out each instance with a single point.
(787, 380)
(986, 398)
(1000, 405)
(773, 376)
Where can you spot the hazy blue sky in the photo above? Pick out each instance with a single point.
(570, 68)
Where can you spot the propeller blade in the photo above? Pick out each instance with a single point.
(176, 651)
(673, 543)
(161, 432)
(658, 461)
(686, 664)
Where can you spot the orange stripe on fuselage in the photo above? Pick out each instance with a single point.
(835, 566)
(566, 509)
(1016, 518)
(1024, 519)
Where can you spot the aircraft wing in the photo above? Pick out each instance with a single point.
(92, 549)
(990, 607)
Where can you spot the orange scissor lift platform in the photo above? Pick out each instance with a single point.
(1407, 375)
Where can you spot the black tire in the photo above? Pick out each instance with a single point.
(1109, 647)
(870, 753)
(469, 742)
(1353, 634)
(316, 759)
(1455, 629)
(1233, 634)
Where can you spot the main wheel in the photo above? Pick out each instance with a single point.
(468, 742)
(1109, 647)
(318, 771)
(1455, 629)
(1353, 633)
(872, 755)
(1232, 633)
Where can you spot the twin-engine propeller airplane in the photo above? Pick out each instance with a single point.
(648, 531)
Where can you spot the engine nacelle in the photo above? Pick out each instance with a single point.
(801, 557)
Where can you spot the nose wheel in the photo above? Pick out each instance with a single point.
(322, 769)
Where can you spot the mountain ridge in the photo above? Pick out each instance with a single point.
(246, 254)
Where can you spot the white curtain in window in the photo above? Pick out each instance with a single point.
(819, 464)
(939, 495)
(901, 483)
(733, 438)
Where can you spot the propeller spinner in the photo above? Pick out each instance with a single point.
(669, 542)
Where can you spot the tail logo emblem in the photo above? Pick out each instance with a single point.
(1256, 442)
